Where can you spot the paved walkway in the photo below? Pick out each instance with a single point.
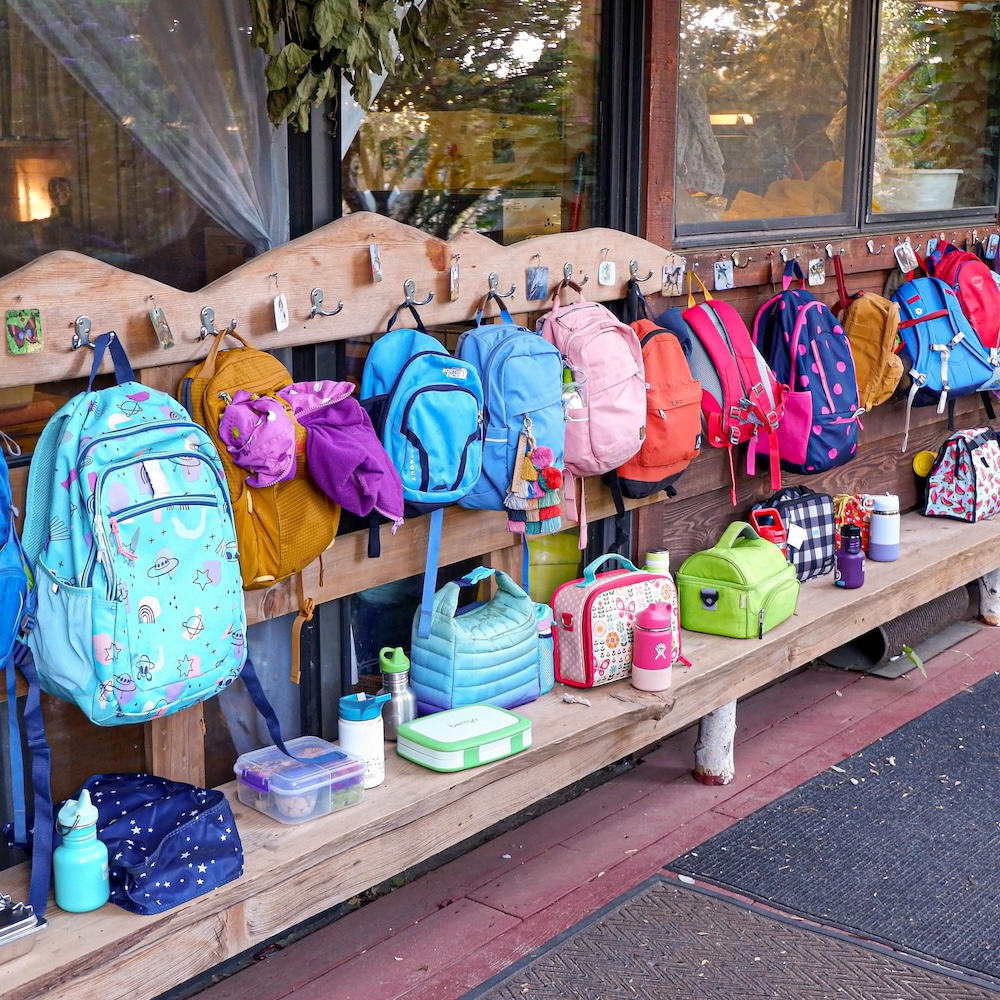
(439, 936)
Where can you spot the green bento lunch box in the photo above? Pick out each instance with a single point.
(460, 738)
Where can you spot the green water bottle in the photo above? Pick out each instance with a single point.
(80, 862)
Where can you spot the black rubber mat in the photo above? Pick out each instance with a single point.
(666, 941)
(900, 843)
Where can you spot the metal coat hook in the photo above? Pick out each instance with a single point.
(830, 251)
(494, 281)
(81, 338)
(736, 259)
(208, 324)
(316, 297)
(568, 276)
(783, 253)
(633, 270)
(604, 252)
(871, 247)
(409, 290)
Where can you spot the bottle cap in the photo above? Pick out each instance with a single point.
(362, 707)
(885, 503)
(656, 617)
(850, 531)
(76, 814)
(544, 626)
(657, 561)
(392, 660)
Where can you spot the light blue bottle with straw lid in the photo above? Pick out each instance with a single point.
(80, 862)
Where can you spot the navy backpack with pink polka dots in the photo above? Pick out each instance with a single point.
(810, 353)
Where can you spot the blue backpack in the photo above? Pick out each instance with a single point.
(17, 609)
(809, 352)
(129, 533)
(427, 408)
(522, 392)
(941, 352)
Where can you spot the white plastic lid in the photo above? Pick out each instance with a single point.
(885, 503)
(269, 770)
(77, 813)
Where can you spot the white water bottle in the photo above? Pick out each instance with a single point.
(883, 541)
(361, 731)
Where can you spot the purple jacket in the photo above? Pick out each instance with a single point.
(343, 452)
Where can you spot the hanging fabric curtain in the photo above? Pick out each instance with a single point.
(182, 78)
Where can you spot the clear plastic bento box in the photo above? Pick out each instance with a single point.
(294, 790)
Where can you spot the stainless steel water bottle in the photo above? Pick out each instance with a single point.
(402, 704)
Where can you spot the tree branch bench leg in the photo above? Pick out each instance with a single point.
(989, 598)
(713, 753)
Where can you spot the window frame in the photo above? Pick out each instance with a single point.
(858, 220)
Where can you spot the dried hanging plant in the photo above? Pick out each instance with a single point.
(360, 37)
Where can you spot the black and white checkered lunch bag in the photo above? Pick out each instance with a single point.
(811, 528)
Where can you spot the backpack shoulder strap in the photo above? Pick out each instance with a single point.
(843, 297)
(40, 833)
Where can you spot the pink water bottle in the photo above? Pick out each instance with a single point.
(652, 647)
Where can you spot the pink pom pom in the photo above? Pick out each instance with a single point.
(541, 457)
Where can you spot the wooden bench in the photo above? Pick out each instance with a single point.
(293, 873)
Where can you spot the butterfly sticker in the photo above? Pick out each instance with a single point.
(24, 330)
(603, 667)
(625, 610)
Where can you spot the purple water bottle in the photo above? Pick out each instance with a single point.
(850, 572)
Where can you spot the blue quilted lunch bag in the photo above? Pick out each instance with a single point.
(484, 653)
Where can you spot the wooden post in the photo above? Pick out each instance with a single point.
(713, 753)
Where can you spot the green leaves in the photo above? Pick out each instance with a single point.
(361, 37)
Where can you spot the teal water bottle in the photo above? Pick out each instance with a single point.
(80, 862)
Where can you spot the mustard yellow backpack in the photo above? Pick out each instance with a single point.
(871, 323)
(280, 529)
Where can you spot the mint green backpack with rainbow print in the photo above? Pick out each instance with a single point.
(129, 532)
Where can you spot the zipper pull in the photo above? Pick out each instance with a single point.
(225, 397)
(760, 624)
(127, 553)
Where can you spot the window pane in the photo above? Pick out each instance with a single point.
(497, 136)
(761, 112)
(73, 178)
(936, 122)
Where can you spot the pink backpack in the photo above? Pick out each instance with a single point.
(605, 398)
(741, 398)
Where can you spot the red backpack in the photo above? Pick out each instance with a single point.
(974, 285)
(673, 409)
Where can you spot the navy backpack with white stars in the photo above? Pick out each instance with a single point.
(167, 841)
(129, 533)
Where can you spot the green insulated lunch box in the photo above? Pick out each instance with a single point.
(741, 587)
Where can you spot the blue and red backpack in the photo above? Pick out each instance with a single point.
(809, 352)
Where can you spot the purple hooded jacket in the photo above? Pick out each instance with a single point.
(343, 453)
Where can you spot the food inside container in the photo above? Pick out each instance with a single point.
(320, 779)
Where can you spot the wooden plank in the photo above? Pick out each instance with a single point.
(698, 515)
(661, 121)
(418, 813)
(466, 534)
(175, 746)
(119, 300)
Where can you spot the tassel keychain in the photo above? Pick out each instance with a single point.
(519, 491)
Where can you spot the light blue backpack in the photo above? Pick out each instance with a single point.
(427, 409)
(484, 653)
(522, 392)
(129, 532)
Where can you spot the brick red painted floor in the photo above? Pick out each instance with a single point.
(457, 926)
